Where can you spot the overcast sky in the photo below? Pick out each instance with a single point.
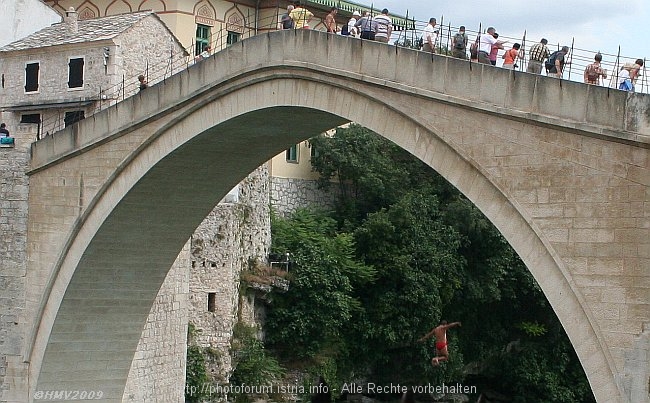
(596, 24)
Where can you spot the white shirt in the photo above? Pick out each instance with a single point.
(351, 26)
(622, 76)
(486, 42)
(429, 32)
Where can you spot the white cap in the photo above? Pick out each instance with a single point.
(356, 14)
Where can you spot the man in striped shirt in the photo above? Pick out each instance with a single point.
(384, 26)
(538, 53)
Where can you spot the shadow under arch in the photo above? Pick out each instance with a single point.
(128, 240)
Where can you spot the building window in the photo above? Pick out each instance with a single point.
(313, 151)
(212, 297)
(76, 73)
(73, 117)
(292, 153)
(202, 38)
(30, 118)
(233, 37)
(31, 77)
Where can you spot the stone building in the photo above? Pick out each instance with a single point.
(220, 23)
(234, 236)
(97, 57)
(65, 72)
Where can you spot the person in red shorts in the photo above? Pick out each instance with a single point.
(440, 333)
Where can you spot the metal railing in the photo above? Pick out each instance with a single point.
(578, 58)
(227, 34)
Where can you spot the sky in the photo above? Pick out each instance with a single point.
(596, 25)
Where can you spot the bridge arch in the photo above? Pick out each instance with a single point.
(121, 246)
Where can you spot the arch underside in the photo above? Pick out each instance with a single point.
(137, 225)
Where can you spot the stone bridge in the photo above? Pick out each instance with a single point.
(562, 169)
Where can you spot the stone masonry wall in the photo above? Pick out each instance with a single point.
(53, 74)
(230, 237)
(158, 368)
(14, 188)
(145, 48)
(289, 194)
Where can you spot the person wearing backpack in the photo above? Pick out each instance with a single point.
(459, 44)
(555, 63)
(301, 17)
(594, 71)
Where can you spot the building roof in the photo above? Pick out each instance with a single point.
(91, 30)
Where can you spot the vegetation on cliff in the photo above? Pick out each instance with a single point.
(401, 250)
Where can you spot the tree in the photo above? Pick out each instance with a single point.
(309, 317)
(418, 267)
(434, 256)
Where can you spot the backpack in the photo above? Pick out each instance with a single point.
(419, 43)
(345, 30)
(460, 41)
(550, 63)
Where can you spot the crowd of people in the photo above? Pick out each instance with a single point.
(484, 49)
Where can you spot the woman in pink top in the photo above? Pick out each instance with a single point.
(494, 51)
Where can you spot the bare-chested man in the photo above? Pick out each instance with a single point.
(440, 332)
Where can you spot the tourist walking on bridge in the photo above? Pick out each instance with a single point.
(330, 21)
(538, 53)
(384, 27)
(511, 56)
(300, 17)
(351, 29)
(486, 42)
(368, 26)
(285, 21)
(556, 62)
(635, 70)
(440, 333)
(459, 44)
(594, 71)
(430, 36)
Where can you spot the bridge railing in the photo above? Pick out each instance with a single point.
(154, 73)
(577, 57)
(229, 33)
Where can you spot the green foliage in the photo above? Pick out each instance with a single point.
(365, 167)
(410, 43)
(532, 328)
(253, 364)
(196, 376)
(402, 250)
(417, 268)
(323, 275)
